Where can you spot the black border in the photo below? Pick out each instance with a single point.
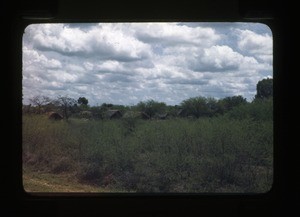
(283, 198)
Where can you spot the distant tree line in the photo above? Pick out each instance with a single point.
(194, 107)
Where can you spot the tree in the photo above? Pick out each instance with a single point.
(107, 105)
(66, 105)
(228, 103)
(264, 89)
(152, 107)
(195, 106)
(40, 101)
(82, 101)
(212, 106)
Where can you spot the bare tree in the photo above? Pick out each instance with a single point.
(40, 101)
(66, 103)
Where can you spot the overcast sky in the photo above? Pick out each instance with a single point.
(125, 63)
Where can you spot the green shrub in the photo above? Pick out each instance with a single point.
(220, 154)
(258, 110)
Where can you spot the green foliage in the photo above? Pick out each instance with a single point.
(200, 107)
(151, 107)
(259, 110)
(219, 154)
(228, 103)
(98, 112)
(264, 89)
(209, 107)
(82, 101)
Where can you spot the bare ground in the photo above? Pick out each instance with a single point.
(57, 183)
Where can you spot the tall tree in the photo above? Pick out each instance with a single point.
(66, 104)
(264, 89)
(82, 101)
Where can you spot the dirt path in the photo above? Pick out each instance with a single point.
(46, 182)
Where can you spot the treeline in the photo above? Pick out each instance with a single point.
(194, 107)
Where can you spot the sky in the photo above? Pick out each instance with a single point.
(125, 63)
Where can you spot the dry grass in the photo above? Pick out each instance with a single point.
(48, 182)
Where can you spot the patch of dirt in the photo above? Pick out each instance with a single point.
(35, 182)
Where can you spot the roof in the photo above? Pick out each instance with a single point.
(145, 115)
(162, 116)
(113, 114)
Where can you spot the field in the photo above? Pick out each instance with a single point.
(219, 154)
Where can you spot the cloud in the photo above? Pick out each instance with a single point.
(101, 42)
(213, 59)
(124, 63)
(174, 34)
(34, 60)
(217, 58)
(256, 44)
(109, 66)
(188, 81)
(116, 78)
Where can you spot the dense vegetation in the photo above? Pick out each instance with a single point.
(212, 145)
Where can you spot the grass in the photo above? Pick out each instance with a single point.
(219, 154)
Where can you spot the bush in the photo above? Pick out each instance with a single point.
(258, 110)
(231, 153)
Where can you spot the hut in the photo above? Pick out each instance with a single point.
(55, 116)
(182, 113)
(162, 116)
(113, 114)
(145, 116)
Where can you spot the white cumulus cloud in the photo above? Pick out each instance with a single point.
(259, 45)
(124, 63)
